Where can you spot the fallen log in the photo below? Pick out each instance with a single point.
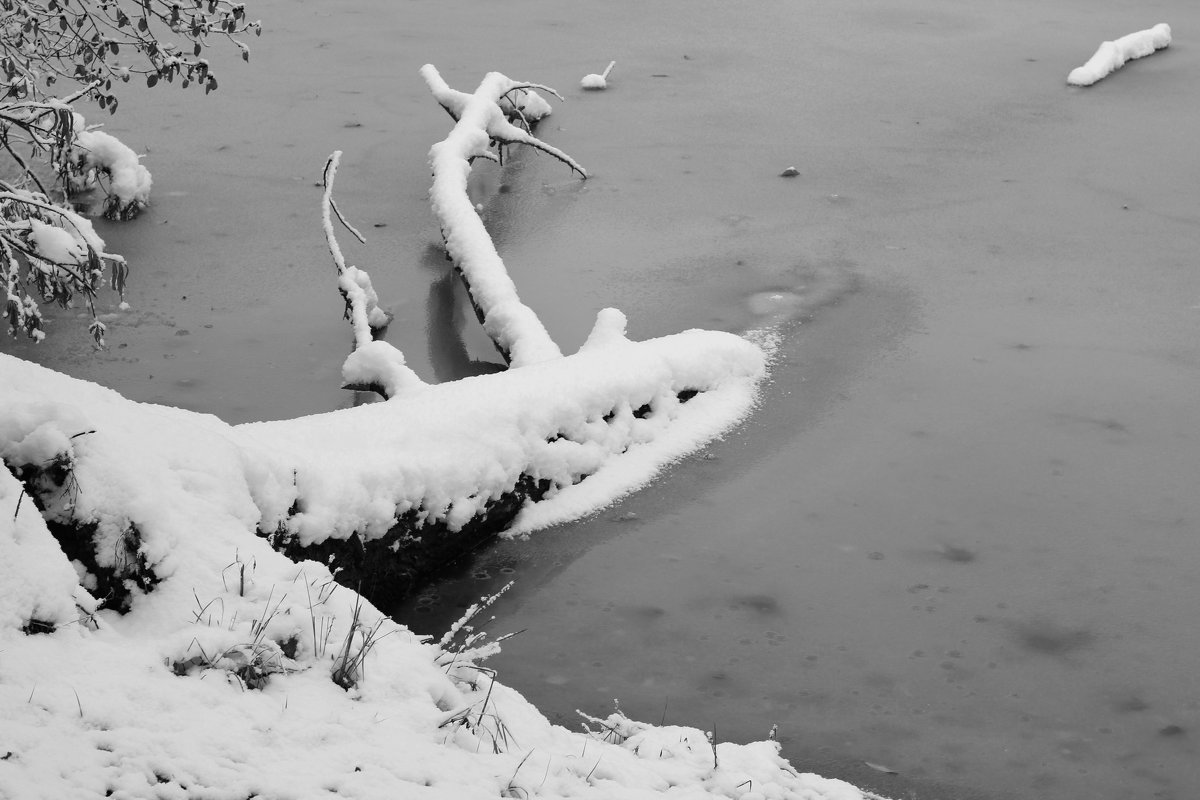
(385, 493)
(527, 437)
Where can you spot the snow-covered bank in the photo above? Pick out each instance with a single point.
(217, 681)
(1111, 56)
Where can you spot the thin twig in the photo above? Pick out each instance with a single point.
(327, 179)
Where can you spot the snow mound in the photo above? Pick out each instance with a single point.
(378, 366)
(1111, 56)
(596, 82)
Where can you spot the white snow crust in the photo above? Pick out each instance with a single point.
(1111, 56)
(97, 706)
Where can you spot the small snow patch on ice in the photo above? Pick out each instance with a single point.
(597, 82)
(1111, 56)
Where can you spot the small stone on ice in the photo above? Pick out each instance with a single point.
(790, 172)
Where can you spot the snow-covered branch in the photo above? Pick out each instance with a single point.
(56, 251)
(1111, 56)
(80, 43)
(374, 365)
(96, 157)
(480, 120)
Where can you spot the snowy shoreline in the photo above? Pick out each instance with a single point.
(216, 683)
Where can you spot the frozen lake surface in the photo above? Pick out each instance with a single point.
(959, 539)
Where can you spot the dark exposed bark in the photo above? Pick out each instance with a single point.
(114, 586)
(389, 568)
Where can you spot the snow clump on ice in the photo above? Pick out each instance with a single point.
(1111, 56)
(596, 82)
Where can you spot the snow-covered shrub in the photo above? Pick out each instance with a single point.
(98, 158)
(48, 253)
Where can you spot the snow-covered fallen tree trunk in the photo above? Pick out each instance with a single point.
(1111, 56)
(388, 492)
(498, 452)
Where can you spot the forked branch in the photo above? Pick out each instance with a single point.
(374, 365)
(482, 119)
